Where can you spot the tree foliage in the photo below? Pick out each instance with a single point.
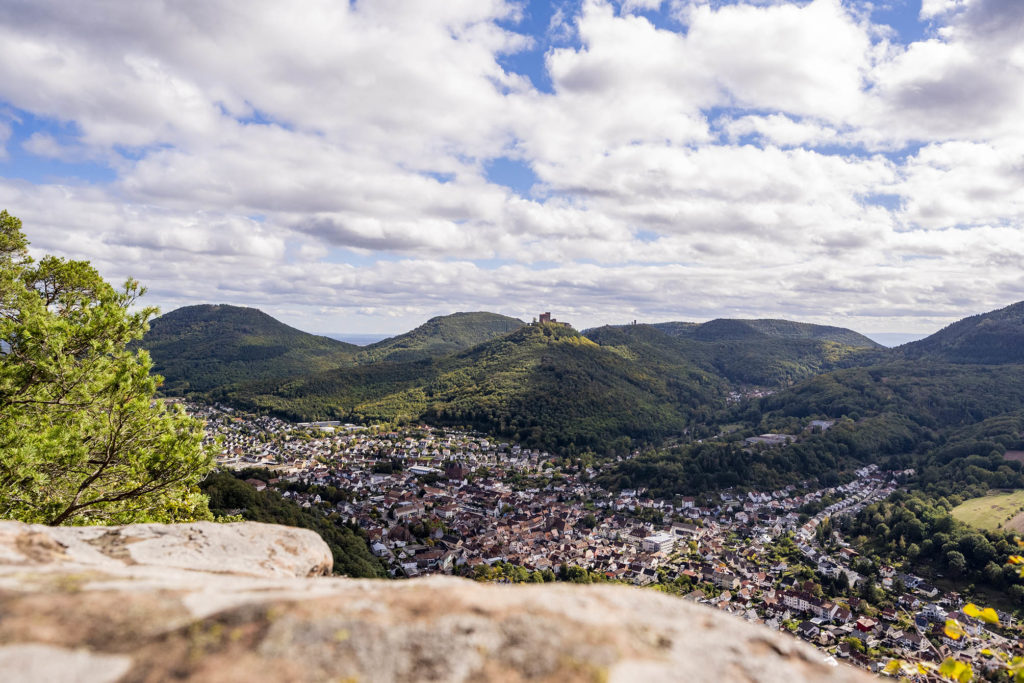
(229, 495)
(941, 544)
(81, 439)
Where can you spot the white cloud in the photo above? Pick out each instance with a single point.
(963, 183)
(931, 9)
(43, 145)
(807, 60)
(257, 150)
(778, 129)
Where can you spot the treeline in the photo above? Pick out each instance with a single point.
(762, 353)
(829, 458)
(930, 395)
(230, 495)
(995, 337)
(920, 529)
(506, 572)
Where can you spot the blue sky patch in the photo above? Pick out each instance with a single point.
(513, 174)
(23, 165)
(902, 16)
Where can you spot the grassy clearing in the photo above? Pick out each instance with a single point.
(993, 510)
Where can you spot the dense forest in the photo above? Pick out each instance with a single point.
(919, 530)
(206, 348)
(937, 418)
(669, 390)
(995, 337)
(203, 348)
(544, 385)
(439, 337)
(608, 391)
(745, 352)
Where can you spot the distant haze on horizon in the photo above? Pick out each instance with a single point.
(892, 339)
(364, 166)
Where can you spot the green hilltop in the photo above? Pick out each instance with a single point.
(614, 388)
(765, 353)
(440, 336)
(730, 329)
(545, 384)
(207, 347)
(199, 349)
(948, 406)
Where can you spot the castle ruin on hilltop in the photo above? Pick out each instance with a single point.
(546, 318)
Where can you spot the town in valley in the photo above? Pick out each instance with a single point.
(430, 501)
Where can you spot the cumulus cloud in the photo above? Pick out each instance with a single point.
(960, 184)
(778, 129)
(931, 9)
(739, 157)
(805, 59)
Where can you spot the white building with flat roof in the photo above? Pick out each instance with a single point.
(659, 543)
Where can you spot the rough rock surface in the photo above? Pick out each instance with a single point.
(249, 548)
(207, 602)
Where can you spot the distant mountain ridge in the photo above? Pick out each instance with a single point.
(948, 406)
(757, 352)
(728, 329)
(549, 385)
(210, 347)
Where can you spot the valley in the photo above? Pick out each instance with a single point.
(436, 501)
(796, 475)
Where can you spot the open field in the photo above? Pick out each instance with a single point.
(1014, 455)
(988, 512)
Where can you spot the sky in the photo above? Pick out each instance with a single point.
(359, 167)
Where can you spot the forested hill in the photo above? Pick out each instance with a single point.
(611, 389)
(198, 349)
(932, 406)
(758, 352)
(544, 384)
(993, 338)
(440, 336)
(729, 329)
(207, 347)
(922, 414)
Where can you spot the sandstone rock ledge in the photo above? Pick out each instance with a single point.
(206, 602)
